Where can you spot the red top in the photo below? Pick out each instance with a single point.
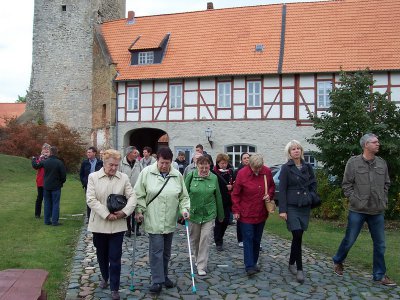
(248, 193)
(40, 173)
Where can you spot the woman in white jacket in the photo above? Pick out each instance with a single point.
(108, 228)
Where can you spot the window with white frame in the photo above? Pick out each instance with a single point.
(175, 96)
(235, 151)
(146, 58)
(224, 94)
(133, 99)
(254, 93)
(324, 88)
(308, 157)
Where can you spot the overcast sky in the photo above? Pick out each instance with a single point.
(16, 18)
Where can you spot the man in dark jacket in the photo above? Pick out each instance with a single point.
(54, 178)
(89, 165)
(366, 184)
(181, 161)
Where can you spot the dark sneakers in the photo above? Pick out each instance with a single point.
(155, 288)
(386, 281)
(219, 248)
(338, 269)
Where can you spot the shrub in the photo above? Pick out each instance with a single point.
(26, 140)
(334, 204)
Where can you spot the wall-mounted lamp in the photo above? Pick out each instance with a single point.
(208, 133)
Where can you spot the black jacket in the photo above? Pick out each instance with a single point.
(181, 165)
(54, 172)
(295, 185)
(85, 171)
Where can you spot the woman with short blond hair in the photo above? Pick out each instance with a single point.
(253, 186)
(296, 180)
(109, 228)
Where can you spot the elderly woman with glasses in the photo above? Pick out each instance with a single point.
(205, 206)
(253, 186)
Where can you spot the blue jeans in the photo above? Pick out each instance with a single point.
(376, 226)
(109, 253)
(51, 206)
(252, 234)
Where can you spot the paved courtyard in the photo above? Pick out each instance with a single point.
(226, 278)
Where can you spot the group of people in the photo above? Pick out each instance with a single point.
(208, 196)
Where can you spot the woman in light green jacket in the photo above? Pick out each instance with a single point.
(159, 211)
(205, 206)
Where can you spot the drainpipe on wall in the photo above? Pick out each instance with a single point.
(115, 84)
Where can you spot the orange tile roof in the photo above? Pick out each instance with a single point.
(10, 110)
(352, 34)
(147, 42)
(320, 37)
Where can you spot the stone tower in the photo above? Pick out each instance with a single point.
(63, 58)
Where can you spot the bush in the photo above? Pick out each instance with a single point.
(334, 204)
(26, 140)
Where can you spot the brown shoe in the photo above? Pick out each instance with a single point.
(115, 295)
(338, 269)
(103, 284)
(386, 281)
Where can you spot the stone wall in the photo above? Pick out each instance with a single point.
(62, 60)
(269, 136)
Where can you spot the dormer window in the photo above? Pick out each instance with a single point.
(146, 58)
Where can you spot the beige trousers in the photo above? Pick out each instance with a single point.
(200, 239)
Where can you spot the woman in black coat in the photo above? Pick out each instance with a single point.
(296, 180)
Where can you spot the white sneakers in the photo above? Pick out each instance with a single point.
(201, 272)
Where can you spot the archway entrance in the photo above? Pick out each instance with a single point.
(151, 137)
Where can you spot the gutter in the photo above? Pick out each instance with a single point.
(282, 47)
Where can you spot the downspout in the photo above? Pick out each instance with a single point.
(282, 47)
(115, 84)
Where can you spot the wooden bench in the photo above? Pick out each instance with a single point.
(23, 284)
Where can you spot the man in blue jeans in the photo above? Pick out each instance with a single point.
(366, 183)
(54, 178)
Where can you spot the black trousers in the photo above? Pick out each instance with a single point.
(220, 227)
(39, 201)
(295, 251)
(109, 253)
(88, 210)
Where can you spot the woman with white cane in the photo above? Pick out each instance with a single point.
(161, 194)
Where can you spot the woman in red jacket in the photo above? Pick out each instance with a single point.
(40, 179)
(248, 198)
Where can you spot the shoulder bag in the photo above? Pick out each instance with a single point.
(159, 192)
(269, 204)
(116, 202)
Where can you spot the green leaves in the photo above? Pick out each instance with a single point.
(355, 110)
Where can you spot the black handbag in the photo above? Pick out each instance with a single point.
(116, 202)
(315, 199)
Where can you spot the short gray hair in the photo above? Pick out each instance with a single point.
(130, 149)
(293, 143)
(365, 139)
(256, 160)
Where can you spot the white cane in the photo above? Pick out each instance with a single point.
(190, 257)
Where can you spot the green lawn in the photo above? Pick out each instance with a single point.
(25, 241)
(325, 237)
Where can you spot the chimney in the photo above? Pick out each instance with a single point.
(131, 17)
(210, 5)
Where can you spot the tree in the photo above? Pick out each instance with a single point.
(21, 99)
(355, 110)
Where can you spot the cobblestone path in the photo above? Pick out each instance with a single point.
(226, 278)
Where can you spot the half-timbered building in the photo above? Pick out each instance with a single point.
(244, 79)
